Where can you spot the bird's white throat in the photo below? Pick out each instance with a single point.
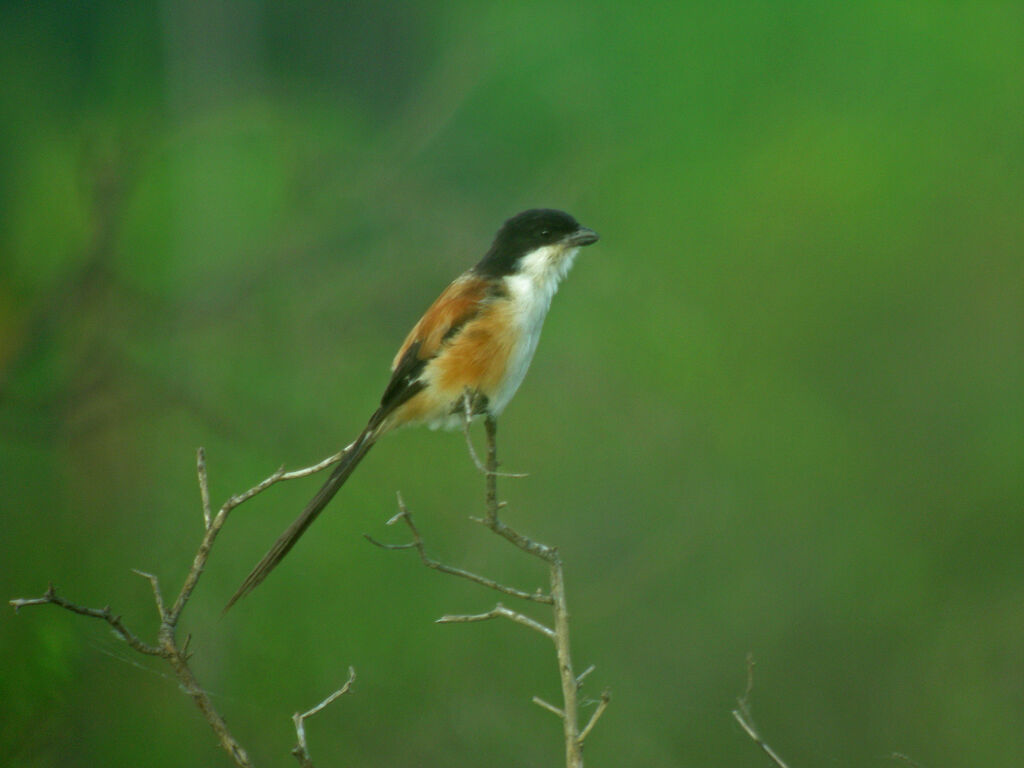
(531, 290)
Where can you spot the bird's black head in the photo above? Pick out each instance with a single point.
(528, 231)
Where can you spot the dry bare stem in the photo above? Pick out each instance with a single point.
(499, 610)
(405, 515)
(568, 713)
(743, 717)
(301, 750)
(167, 647)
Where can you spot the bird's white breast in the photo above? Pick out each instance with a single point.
(530, 292)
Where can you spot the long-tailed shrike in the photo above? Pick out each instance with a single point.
(469, 351)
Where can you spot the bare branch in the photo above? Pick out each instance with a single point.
(50, 597)
(301, 750)
(168, 647)
(204, 487)
(573, 737)
(467, 410)
(570, 690)
(549, 707)
(417, 543)
(203, 553)
(157, 597)
(602, 705)
(191, 686)
(491, 495)
(468, 418)
(499, 611)
(493, 506)
(559, 634)
(584, 674)
(282, 476)
(743, 717)
(528, 545)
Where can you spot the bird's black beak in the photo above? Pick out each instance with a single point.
(582, 236)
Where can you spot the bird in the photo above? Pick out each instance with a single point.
(467, 355)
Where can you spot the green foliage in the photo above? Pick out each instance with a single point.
(777, 409)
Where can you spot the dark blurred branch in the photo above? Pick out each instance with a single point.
(568, 713)
(743, 717)
(168, 647)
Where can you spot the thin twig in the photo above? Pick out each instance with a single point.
(467, 409)
(560, 609)
(549, 707)
(555, 597)
(204, 487)
(584, 674)
(491, 495)
(301, 750)
(493, 506)
(570, 691)
(167, 647)
(157, 597)
(282, 476)
(50, 597)
(202, 699)
(417, 543)
(602, 705)
(499, 611)
(203, 553)
(743, 717)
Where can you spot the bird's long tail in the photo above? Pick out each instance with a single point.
(287, 540)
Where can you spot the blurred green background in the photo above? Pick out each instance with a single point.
(778, 409)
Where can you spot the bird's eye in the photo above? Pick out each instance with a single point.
(545, 232)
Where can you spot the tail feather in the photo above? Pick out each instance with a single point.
(287, 539)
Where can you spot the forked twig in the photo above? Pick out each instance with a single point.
(537, 596)
(467, 412)
(301, 750)
(167, 646)
(50, 597)
(568, 713)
